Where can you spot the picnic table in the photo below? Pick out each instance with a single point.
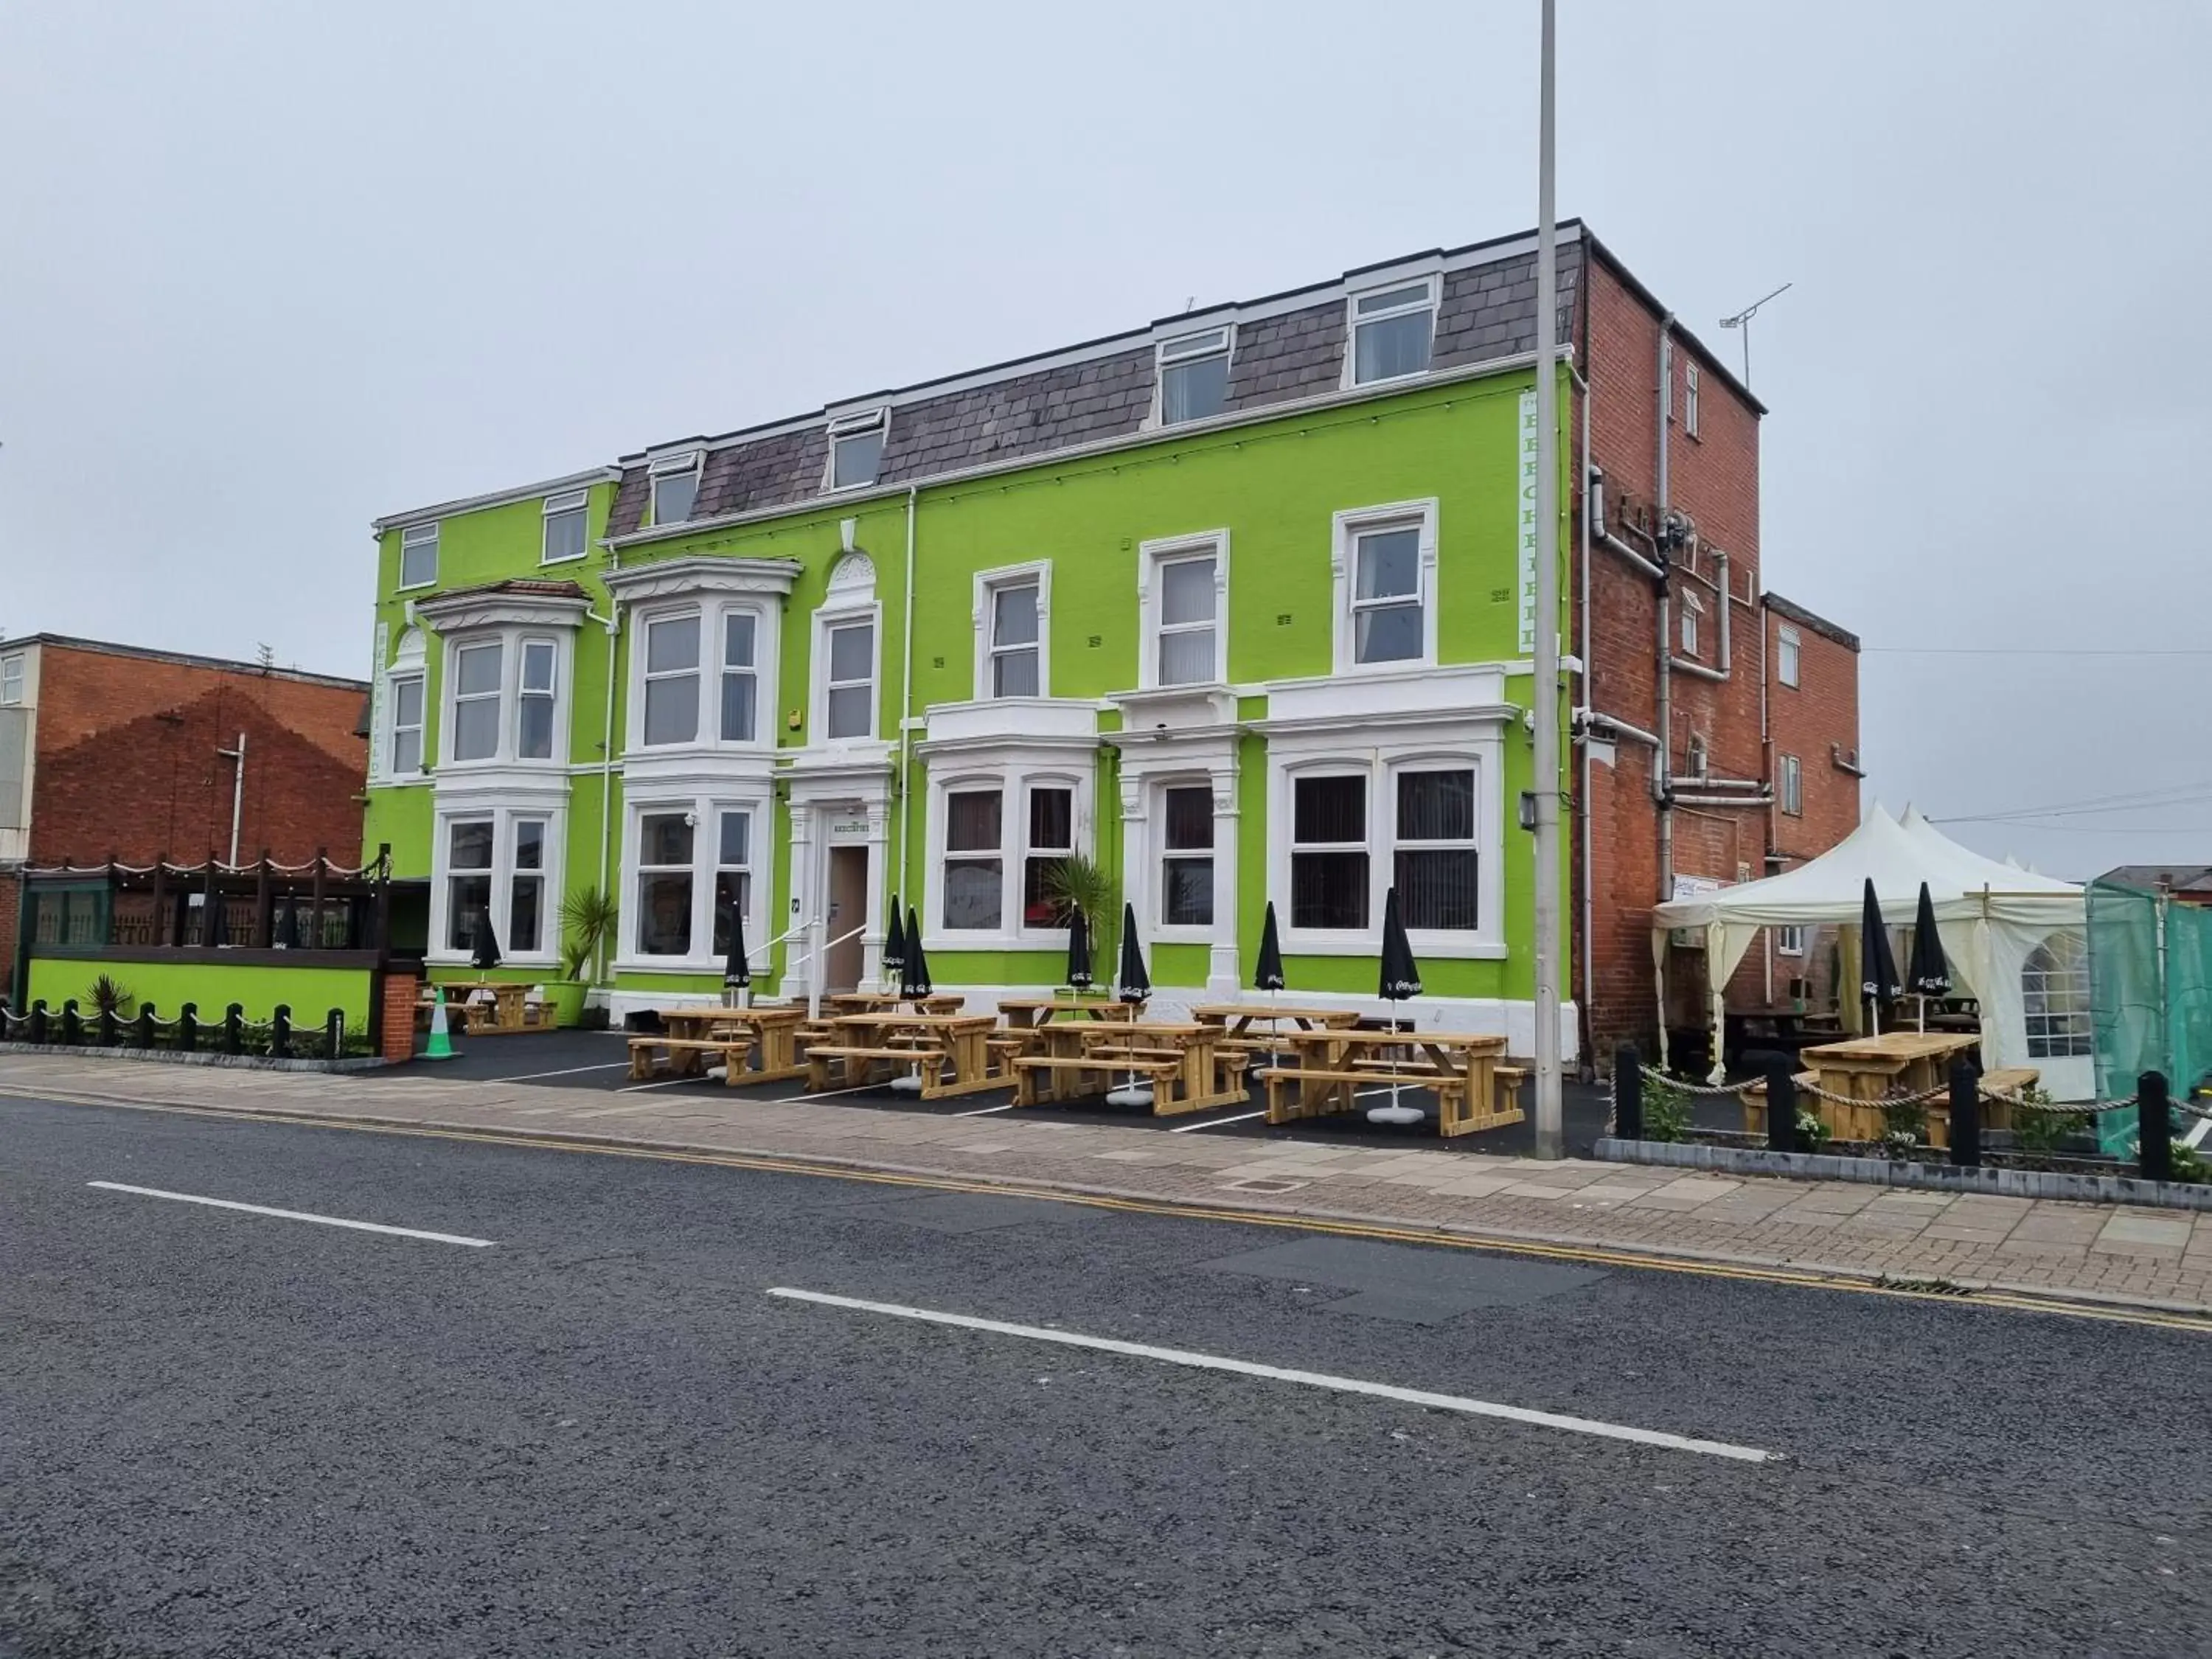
(1330, 1068)
(495, 1008)
(773, 1033)
(669, 1054)
(1190, 1068)
(887, 1041)
(1237, 1019)
(1874, 1072)
(1029, 1014)
(867, 1002)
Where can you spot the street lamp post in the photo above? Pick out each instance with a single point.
(1551, 1141)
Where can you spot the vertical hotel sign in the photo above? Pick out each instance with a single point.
(1527, 593)
(376, 752)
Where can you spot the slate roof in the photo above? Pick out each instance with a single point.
(1084, 395)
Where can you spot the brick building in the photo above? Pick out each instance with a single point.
(1718, 722)
(105, 749)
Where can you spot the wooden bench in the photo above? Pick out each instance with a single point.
(819, 1078)
(1283, 1104)
(1028, 1069)
(666, 1056)
(2009, 1080)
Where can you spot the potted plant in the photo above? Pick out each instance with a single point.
(587, 928)
(1080, 882)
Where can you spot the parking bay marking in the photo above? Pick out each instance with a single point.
(293, 1215)
(1449, 1402)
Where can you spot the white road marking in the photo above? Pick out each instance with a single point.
(531, 1077)
(1449, 1402)
(985, 1111)
(1241, 1117)
(664, 1083)
(294, 1215)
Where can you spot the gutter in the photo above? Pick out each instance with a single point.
(906, 698)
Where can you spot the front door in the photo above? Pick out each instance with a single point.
(848, 910)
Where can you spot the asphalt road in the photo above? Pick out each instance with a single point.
(224, 1433)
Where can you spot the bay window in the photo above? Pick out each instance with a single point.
(468, 880)
(975, 868)
(1051, 843)
(739, 689)
(1433, 860)
(1187, 856)
(534, 725)
(664, 884)
(526, 903)
(672, 679)
(1328, 853)
(476, 683)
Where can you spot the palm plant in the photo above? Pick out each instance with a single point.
(588, 927)
(1081, 883)
(110, 996)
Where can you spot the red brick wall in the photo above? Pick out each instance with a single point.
(127, 763)
(1713, 480)
(10, 903)
(397, 1015)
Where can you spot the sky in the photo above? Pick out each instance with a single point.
(270, 269)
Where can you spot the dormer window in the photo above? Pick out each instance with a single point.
(1392, 328)
(1193, 376)
(856, 448)
(674, 487)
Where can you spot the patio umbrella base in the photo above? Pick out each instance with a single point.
(1134, 1094)
(911, 1083)
(1395, 1115)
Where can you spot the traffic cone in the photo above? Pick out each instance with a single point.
(442, 1040)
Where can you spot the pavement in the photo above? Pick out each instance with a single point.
(574, 1408)
(1339, 1170)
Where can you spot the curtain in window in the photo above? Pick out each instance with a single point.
(1192, 390)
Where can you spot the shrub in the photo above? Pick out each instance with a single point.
(2039, 1126)
(2188, 1166)
(1666, 1107)
(109, 995)
(1811, 1134)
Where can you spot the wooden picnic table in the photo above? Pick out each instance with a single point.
(1187, 1064)
(1869, 1070)
(1237, 1019)
(886, 1040)
(1029, 1014)
(1331, 1067)
(509, 1003)
(867, 1002)
(773, 1031)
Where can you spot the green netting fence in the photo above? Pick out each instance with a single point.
(2150, 988)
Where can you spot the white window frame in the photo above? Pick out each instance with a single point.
(844, 428)
(1788, 656)
(1692, 608)
(1689, 397)
(560, 506)
(1393, 842)
(393, 684)
(502, 740)
(662, 467)
(502, 816)
(2059, 964)
(845, 615)
(510, 638)
(647, 621)
(1186, 933)
(550, 694)
(1789, 786)
(417, 537)
(1014, 774)
(1037, 574)
(549, 921)
(1152, 557)
(1348, 526)
(12, 670)
(713, 609)
(1789, 941)
(1182, 350)
(1317, 772)
(1430, 299)
(705, 803)
(723, 615)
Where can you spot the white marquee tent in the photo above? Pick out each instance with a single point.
(1994, 919)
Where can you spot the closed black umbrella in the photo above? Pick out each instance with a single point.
(1401, 980)
(215, 918)
(1928, 973)
(1132, 983)
(913, 970)
(286, 926)
(1078, 949)
(1878, 979)
(1268, 975)
(736, 972)
(895, 942)
(483, 945)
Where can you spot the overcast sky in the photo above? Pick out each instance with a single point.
(267, 271)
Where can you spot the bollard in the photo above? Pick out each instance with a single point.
(334, 1034)
(39, 1020)
(1965, 1114)
(72, 1027)
(188, 1028)
(1628, 1092)
(144, 1038)
(233, 1039)
(280, 1032)
(106, 1025)
(2155, 1155)
(1781, 1104)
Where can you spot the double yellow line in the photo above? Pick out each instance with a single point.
(1594, 1255)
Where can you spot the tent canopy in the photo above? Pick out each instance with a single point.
(1992, 917)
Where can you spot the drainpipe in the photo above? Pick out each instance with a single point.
(237, 792)
(1662, 781)
(1589, 905)
(612, 622)
(1766, 763)
(906, 705)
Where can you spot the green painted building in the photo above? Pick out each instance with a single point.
(1239, 606)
